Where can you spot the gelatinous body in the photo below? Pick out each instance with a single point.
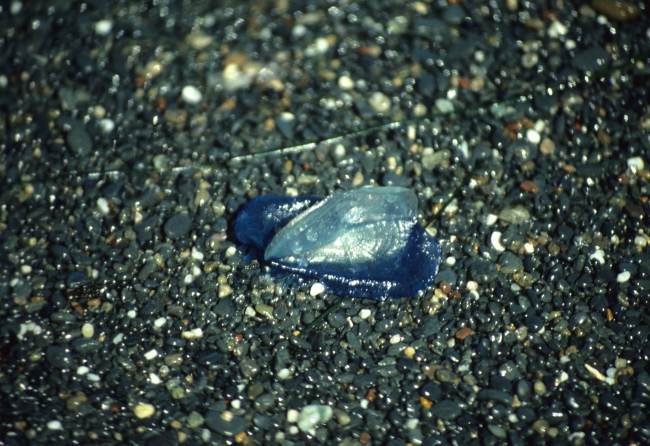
(363, 243)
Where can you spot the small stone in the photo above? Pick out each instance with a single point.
(446, 410)
(463, 333)
(178, 226)
(316, 289)
(444, 105)
(483, 271)
(533, 136)
(623, 277)
(495, 239)
(194, 420)
(346, 83)
(618, 10)
(59, 357)
(55, 425)
(379, 102)
(636, 163)
(225, 423)
(314, 415)
(529, 186)
(144, 410)
(87, 330)
(103, 27)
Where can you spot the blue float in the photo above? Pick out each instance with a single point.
(362, 243)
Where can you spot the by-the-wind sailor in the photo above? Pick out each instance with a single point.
(363, 243)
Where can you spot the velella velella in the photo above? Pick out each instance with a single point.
(361, 243)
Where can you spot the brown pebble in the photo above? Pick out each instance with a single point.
(445, 287)
(529, 186)
(547, 146)
(635, 210)
(228, 104)
(425, 403)
(616, 10)
(371, 395)
(455, 295)
(364, 438)
(463, 333)
(541, 427)
(176, 117)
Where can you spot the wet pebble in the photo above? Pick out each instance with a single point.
(178, 226)
(59, 357)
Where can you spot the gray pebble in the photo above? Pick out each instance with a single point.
(227, 426)
(446, 409)
(483, 271)
(58, 357)
(178, 226)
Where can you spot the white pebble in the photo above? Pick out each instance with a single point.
(82, 370)
(640, 241)
(93, 377)
(191, 94)
(144, 410)
(250, 311)
(196, 254)
(365, 313)
(379, 102)
(159, 322)
(4, 81)
(450, 260)
(314, 415)
(298, 31)
(155, 379)
(599, 255)
(533, 136)
(236, 404)
(635, 163)
(55, 425)
(556, 29)
(322, 45)
(346, 83)
(103, 27)
(316, 289)
(132, 314)
(151, 354)
(118, 338)
(564, 376)
(444, 105)
(412, 423)
(472, 285)
(107, 125)
(284, 373)
(339, 151)
(529, 248)
(102, 205)
(189, 278)
(16, 7)
(395, 339)
(496, 241)
(26, 269)
(623, 277)
(87, 330)
(194, 333)
(292, 415)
